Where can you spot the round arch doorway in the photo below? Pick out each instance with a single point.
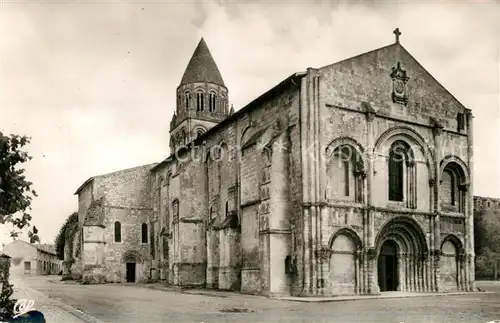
(133, 261)
(387, 267)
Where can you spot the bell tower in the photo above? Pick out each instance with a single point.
(202, 99)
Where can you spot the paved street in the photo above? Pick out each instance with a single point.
(136, 303)
(53, 310)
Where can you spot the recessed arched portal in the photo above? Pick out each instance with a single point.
(387, 265)
(133, 261)
(402, 262)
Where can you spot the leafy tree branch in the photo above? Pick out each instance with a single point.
(16, 192)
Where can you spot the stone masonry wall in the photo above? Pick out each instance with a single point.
(366, 78)
(127, 200)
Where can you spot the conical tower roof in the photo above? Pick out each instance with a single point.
(202, 67)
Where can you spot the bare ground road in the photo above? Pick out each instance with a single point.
(137, 303)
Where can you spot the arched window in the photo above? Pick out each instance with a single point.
(144, 233)
(187, 100)
(345, 170)
(118, 232)
(200, 103)
(211, 102)
(400, 161)
(452, 190)
(449, 187)
(222, 105)
(343, 157)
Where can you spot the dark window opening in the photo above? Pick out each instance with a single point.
(452, 191)
(144, 233)
(346, 177)
(460, 121)
(397, 158)
(152, 239)
(118, 232)
(211, 102)
(188, 100)
(199, 101)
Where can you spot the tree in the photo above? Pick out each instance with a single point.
(16, 194)
(16, 191)
(64, 231)
(487, 242)
(33, 235)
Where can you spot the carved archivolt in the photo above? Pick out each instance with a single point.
(459, 162)
(414, 136)
(350, 233)
(132, 256)
(456, 242)
(351, 142)
(406, 232)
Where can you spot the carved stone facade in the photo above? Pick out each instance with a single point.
(301, 192)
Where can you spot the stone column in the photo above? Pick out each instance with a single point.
(308, 178)
(314, 259)
(373, 287)
(357, 268)
(463, 280)
(404, 276)
(469, 232)
(209, 274)
(400, 271)
(307, 254)
(437, 132)
(430, 254)
(425, 274)
(313, 176)
(418, 272)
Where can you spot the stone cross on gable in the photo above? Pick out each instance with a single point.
(397, 33)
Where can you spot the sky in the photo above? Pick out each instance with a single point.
(93, 82)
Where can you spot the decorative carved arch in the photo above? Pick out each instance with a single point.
(347, 141)
(199, 129)
(405, 231)
(413, 135)
(460, 165)
(455, 241)
(132, 256)
(349, 233)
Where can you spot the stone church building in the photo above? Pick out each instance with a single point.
(351, 178)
